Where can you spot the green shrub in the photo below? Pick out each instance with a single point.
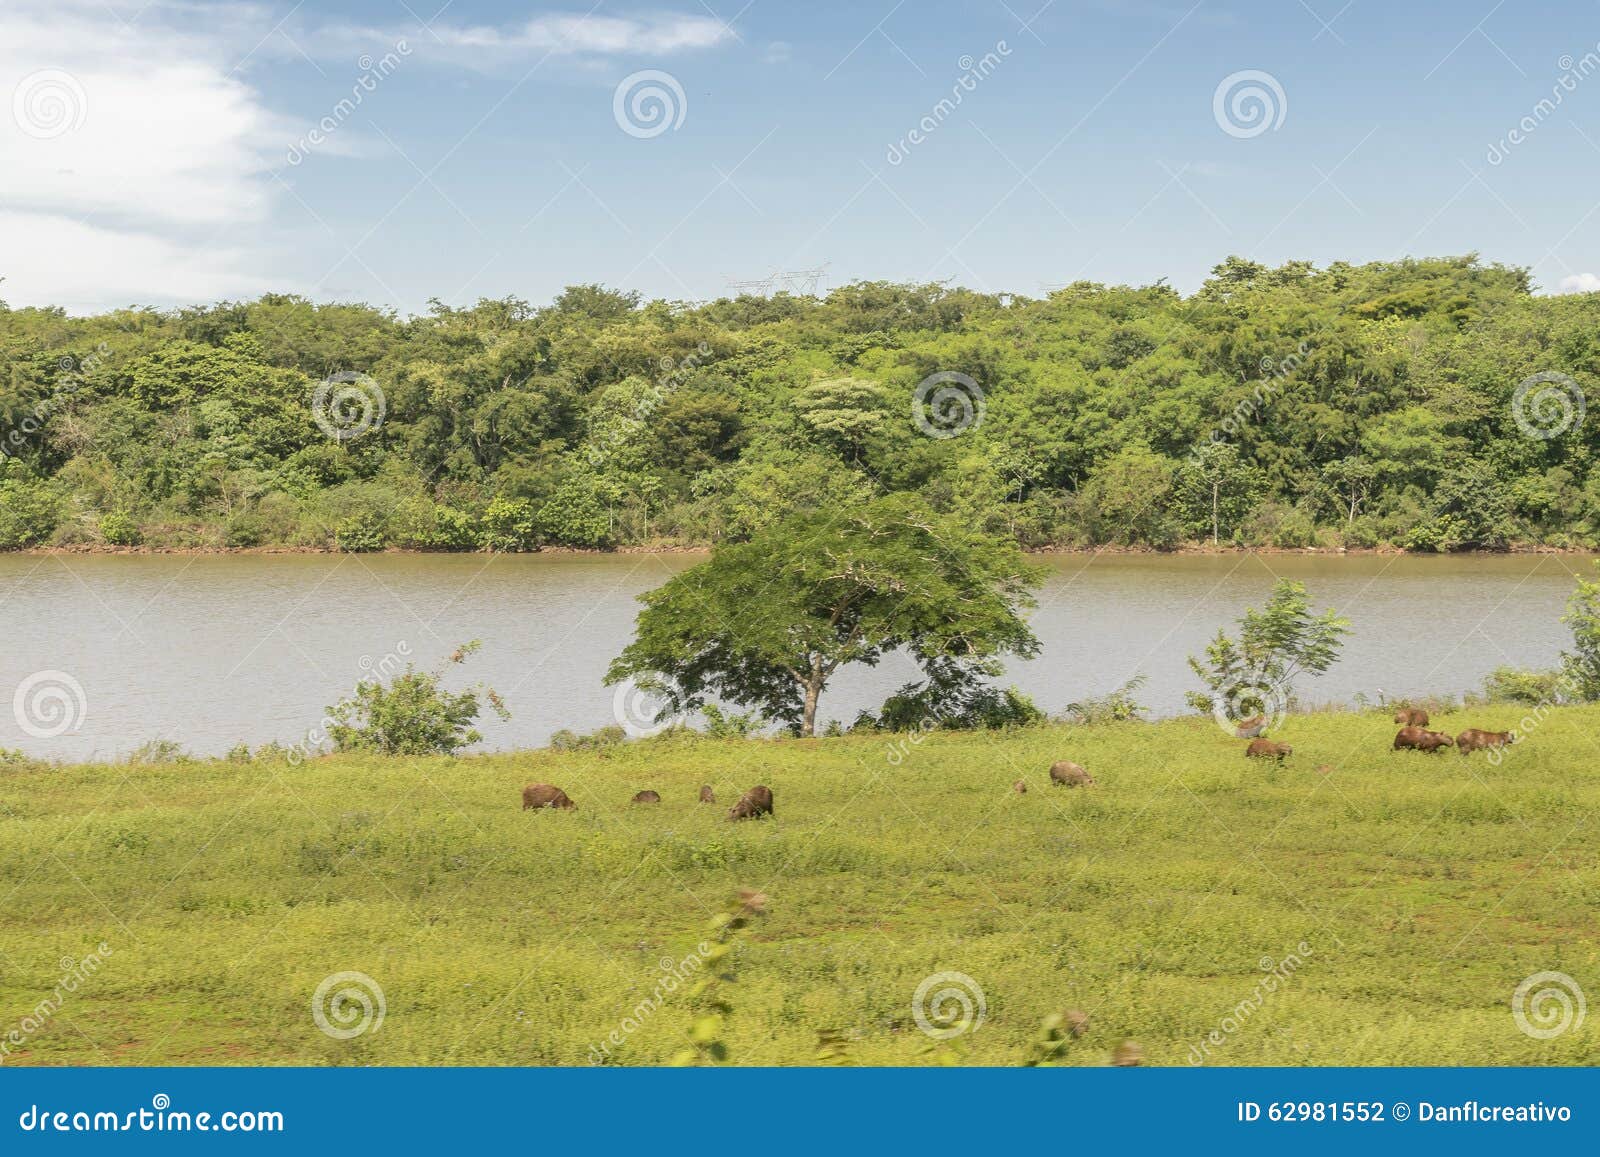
(29, 512)
(508, 525)
(1514, 685)
(608, 736)
(722, 724)
(412, 714)
(119, 529)
(361, 533)
(1117, 706)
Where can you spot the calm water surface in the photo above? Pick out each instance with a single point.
(209, 651)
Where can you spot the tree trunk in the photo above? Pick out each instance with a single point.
(813, 686)
(1215, 488)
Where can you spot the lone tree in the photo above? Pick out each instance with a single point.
(1275, 643)
(767, 622)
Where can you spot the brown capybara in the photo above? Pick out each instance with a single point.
(1411, 717)
(1421, 739)
(1077, 1022)
(1127, 1055)
(1020, 787)
(706, 794)
(1065, 773)
(1266, 749)
(753, 803)
(1474, 740)
(545, 795)
(647, 796)
(1252, 727)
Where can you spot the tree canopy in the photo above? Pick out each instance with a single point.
(767, 622)
(1430, 404)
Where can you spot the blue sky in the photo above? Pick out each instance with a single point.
(164, 154)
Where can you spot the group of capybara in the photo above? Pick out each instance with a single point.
(1413, 735)
(752, 804)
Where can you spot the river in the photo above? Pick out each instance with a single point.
(211, 650)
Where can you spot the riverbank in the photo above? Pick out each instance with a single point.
(1354, 905)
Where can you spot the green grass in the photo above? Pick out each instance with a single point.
(1425, 887)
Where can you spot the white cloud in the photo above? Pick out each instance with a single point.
(128, 149)
(556, 35)
(1579, 283)
(54, 260)
(137, 161)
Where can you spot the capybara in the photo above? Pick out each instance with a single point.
(1411, 717)
(1252, 727)
(1077, 1022)
(1474, 740)
(1063, 772)
(1421, 739)
(1127, 1055)
(1266, 749)
(647, 796)
(1020, 787)
(706, 794)
(755, 802)
(545, 795)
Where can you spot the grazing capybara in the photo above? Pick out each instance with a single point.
(647, 796)
(1421, 739)
(1077, 1022)
(1128, 1055)
(1266, 749)
(545, 795)
(1252, 727)
(706, 794)
(755, 802)
(1411, 717)
(1020, 787)
(1065, 773)
(1474, 740)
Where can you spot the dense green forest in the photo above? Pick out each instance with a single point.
(1428, 404)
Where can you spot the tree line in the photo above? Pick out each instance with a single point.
(1426, 404)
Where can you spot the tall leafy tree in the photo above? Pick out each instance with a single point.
(768, 622)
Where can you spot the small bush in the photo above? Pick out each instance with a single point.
(158, 751)
(361, 533)
(412, 714)
(1513, 685)
(508, 525)
(1117, 706)
(608, 736)
(722, 724)
(119, 529)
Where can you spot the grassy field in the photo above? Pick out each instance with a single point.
(1410, 894)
